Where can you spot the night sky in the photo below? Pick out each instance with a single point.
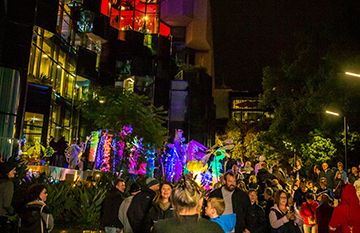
(252, 34)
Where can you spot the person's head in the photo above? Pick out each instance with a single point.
(165, 191)
(338, 175)
(261, 158)
(187, 196)
(119, 184)
(303, 184)
(221, 178)
(242, 186)
(298, 162)
(326, 199)
(263, 165)
(239, 162)
(340, 166)
(252, 179)
(310, 197)
(317, 169)
(281, 198)
(230, 181)
(354, 170)
(74, 141)
(235, 169)
(268, 183)
(215, 207)
(135, 188)
(253, 196)
(153, 184)
(7, 170)
(310, 185)
(248, 164)
(37, 192)
(275, 181)
(325, 166)
(268, 193)
(323, 182)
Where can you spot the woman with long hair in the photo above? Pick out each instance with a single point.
(187, 200)
(35, 217)
(161, 207)
(253, 183)
(283, 218)
(323, 214)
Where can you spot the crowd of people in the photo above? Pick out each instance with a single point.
(245, 200)
(68, 154)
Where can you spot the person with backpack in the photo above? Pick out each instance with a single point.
(35, 216)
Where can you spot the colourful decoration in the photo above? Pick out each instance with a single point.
(93, 146)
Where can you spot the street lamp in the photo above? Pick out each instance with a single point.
(345, 134)
(352, 74)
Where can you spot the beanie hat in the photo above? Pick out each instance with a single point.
(151, 181)
(6, 167)
(134, 188)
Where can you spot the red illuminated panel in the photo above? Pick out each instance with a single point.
(104, 7)
(164, 30)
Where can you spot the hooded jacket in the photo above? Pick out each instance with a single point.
(346, 215)
(227, 222)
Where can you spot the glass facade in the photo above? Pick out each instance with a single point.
(52, 63)
(9, 95)
(137, 15)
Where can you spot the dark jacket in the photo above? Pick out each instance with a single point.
(6, 196)
(139, 209)
(329, 175)
(156, 213)
(241, 204)
(110, 208)
(269, 204)
(300, 197)
(352, 178)
(186, 224)
(323, 215)
(263, 175)
(35, 217)
(256, 220)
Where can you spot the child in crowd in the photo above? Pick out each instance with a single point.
(214, 209)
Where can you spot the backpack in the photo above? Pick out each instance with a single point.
(31, 220)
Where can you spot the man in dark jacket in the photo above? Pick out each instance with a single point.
(328, 174)
(111, 205)
(263, 175)
(256, 220)
(236, 201)
(140, 206)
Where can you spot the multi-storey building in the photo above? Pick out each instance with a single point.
(52, 51)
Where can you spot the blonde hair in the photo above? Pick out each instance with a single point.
(242, 186)
(218, 204)
(253, 179)
(186, 194)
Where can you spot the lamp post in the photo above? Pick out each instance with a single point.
(345, 134)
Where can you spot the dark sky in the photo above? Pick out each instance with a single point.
(252, 34)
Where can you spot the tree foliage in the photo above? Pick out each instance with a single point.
(113, 108)
(307, 83)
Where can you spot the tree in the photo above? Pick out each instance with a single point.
(113, 108)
